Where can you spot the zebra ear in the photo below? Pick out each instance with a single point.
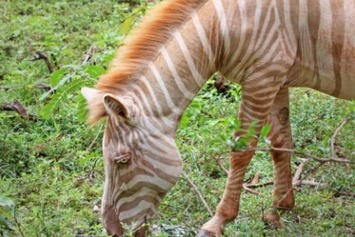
(121, 107)
(89, 93)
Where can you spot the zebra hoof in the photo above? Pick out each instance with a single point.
(204, 233)
(273, 219)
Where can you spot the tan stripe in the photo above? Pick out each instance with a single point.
(338, 37)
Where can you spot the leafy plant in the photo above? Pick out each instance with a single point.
(6, 215)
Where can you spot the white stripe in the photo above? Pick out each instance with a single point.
(203, 38)
(156, 180)
(265, 32)
(195, 73)
(168, 122)
(167, 96)
(145, 191)
(288, 23)
(223, 23)
(144, 122)
(251, 43)
(129, 214)
(176, 76)
(243, 23)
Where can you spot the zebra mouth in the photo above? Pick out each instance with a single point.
(141, 231)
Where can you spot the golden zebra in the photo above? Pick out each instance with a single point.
(266, 46)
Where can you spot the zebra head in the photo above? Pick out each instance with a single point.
(141, 161)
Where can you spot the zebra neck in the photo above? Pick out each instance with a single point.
(180, 69)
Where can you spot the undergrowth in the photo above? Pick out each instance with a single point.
(51, 169)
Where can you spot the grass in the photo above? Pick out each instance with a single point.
(52, 168)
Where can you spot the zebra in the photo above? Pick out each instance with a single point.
(266, 46)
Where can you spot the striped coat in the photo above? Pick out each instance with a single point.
(266, 46)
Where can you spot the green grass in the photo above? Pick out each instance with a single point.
(52, 168)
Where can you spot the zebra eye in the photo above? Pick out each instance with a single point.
(122, 159)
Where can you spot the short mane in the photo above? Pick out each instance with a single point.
(141, 47)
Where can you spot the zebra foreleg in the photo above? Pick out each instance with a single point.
(228, 208)
(255, 106)
(280, 137)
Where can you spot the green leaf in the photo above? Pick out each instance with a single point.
(94, 71)
(127, 25)
(82, 110)
(4, 224)
(59, 84)
(108, 58)
(60, 96)
(57, 76)
(4, 201)
(265, 130)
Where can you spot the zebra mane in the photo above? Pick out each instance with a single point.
(141, 47)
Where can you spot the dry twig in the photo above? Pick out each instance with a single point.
(38, 55)
(336, 133)
(342, 193)
(307, 182)
(95, 139)
(89, 54)
(316, 158)
(248, 189)
(43, 86)
(218, 158)
(19, 108)
(297, 175)
(256, 178)
(198, 193)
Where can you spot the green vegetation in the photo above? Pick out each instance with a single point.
(51, 171)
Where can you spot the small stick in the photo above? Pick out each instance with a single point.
(221, 165)
(19, 108)
(89, 54)
(345, 193)
(307, 182)
(198, 193)
(299, 170)
(256, 178)
(336, 133)
(18, 223)
(95, 139)
(260, 185)
(43, 86)
(248, 189)
(300, 153)
(38, 55)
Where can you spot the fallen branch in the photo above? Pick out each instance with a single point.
(198, 193)
(259, 185)
(256, 178)
(248, 189)
(341, 193)
(19, 108)
(316, 158)
(43, 86)
(336, 133)
(308, 182)
(299, 170)
(39, 55)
